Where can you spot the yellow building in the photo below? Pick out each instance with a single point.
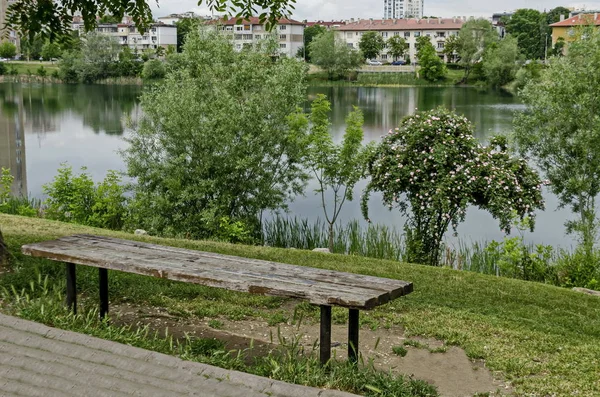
(567, 28)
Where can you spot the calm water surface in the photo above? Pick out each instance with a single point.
(42, 126)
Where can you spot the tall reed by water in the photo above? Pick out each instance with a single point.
(508, 258)
(375, 241)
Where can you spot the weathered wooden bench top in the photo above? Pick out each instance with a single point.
(320, 287)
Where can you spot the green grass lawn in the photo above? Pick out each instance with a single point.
(23, 67)
(542, 339)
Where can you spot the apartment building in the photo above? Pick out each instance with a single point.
(127, 34)
(567, 28)
(289, 33)
(397, 9)
(12, 35)
(437, 29)
(172, 19)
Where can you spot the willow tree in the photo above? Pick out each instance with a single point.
(222, 139)
(53, 19)
(560, 130)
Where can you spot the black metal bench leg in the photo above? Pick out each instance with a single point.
(325, 337)
(71, 287)
(353, 328)
(103, 273)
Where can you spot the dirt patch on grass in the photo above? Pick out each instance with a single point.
(446, 367)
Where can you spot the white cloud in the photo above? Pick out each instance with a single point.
(345, 9)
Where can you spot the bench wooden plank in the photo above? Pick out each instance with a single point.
(321, 287)
(171, 254)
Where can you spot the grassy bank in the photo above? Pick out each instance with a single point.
(31, 67)
(542, 339)
(367, 79)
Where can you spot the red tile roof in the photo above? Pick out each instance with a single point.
(254, 21)
(403, 24)
(581, 19)
(325, 23)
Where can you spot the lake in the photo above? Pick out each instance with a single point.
(42, 126)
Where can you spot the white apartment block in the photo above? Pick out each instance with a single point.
(127, 34)
(12, 35)
(246, 33)
(397, 9)
(172, 19)
(437, 29)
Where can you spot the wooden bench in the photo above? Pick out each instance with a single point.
(325, 288)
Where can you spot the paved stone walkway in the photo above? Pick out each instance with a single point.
(36, 360)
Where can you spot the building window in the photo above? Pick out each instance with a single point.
(239, 28)
(257, 27)
(283, 37)
(282, 45)
(257, 36)
(396, 33)
(384, 56)
(384, 34)
(247, 37)
(406, 35)
(238, 46)
(247, 27)
(441, 34)
(417, 34)
(440, 45)
(282, 27)
(349, 35)
(351, 45)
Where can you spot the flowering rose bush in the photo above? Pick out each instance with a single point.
(432, 168)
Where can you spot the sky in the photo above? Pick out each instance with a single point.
(346, 9)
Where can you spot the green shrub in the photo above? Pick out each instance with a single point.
(153, 69)
(42, 72)
(109, 209)
(579, 269)
(399, 351)
(477, 72)
(14, 205)
(75, 198)
(512, 258)
(3, 69)
(528, 72)
(233, 231)
(70, 198)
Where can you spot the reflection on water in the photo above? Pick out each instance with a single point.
(385, 107)
(82, 125)
(85, 124)
(12, 142)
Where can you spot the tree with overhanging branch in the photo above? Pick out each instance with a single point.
(52, 19)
